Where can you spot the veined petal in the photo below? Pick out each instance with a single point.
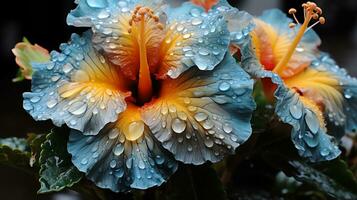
(239, 23)
(77, 88)
(202, 116)
(194, 38)
(307, 120)
(323, 88)
(123, 156)
(272, 38)
(348, 89)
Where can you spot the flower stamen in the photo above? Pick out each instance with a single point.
(140, 23)
(311, 11)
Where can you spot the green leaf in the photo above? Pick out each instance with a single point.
(339, 171)
(13, 153)
(328, 184)
(56, 169)
(35, 141)
(196, 183)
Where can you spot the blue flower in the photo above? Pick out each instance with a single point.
(311, 93)
(148, 86)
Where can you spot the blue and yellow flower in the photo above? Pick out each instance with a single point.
(148, 86)
(311, 93)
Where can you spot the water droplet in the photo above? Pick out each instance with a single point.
(224, 86)
(180, 27)
(55, 78)
(178, 126)
(296, 111)
(67, 67)
(201, 116)
(312, 121)
(84, 161)
(195, 12)
(208, 124)
(189, 148)
(35, 99)
(227, 128)
(348, 94)
(135, 130)
(159, 159)
(97, 3)
(196, 21)
(129, 162)
(186, 36)
(192, 108)
(103, 14)
(203, 52)
(113, 164)
(208, 142)
(141, 164)
(113, 134)
(172, 108)
(51, 103)
(50, 66)
(182, 115)
(119, 149)
(324, 152)
(78, 108)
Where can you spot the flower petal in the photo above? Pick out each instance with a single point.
(77, 88)
(202, 116)
(117, 160)
(346, 114)
(308, 134)
(239, 23)
(26, 54)
(205, 39)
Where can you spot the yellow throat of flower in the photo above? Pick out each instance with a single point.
(311, 12)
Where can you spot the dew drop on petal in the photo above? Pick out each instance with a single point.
(51, 103)
(312, 121)
(224, 86)
(178, 126)
(227, 128)
(135, 130)
(141, 164)
(201, 116)
(119, 149)
(113, 164)
(97, 3)
(78, 108)
(296, 111)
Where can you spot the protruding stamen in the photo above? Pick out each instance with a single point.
(143, 18)
(311, 11)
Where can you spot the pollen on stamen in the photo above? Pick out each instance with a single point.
(311, 11)
(143, 14)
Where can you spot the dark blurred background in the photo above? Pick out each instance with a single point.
(44, 22)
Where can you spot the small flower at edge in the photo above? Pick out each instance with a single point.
(26, 54)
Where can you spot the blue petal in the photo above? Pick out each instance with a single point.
(209, 36)
(70, 89)
(349, 88)
(93, 13)
(203, 115)
(240, 23)
(113, 162)
(310, 139)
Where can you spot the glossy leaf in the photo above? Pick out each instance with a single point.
(57, 171)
